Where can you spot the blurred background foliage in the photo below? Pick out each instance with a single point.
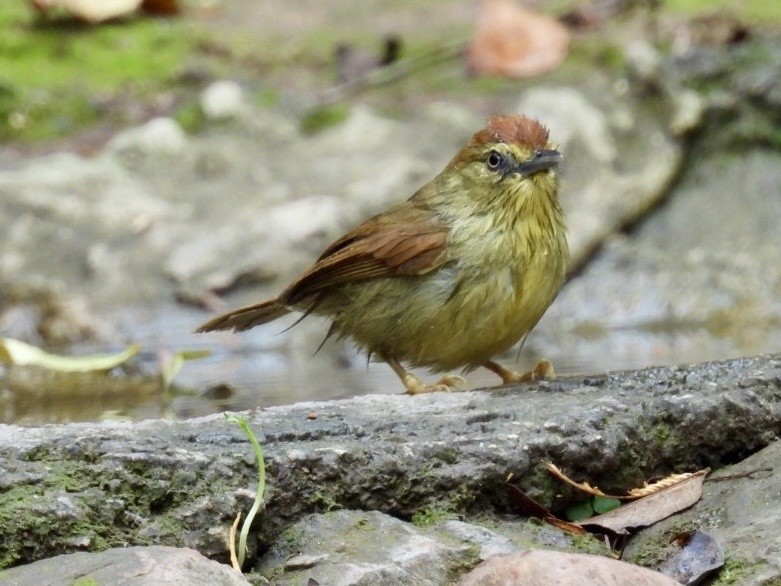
(59, 75)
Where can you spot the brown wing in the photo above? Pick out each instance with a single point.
(245, 318)
(402, 241)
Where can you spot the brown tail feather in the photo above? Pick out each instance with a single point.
(246, 317)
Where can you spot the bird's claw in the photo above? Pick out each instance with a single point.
(544, 369)
(446, 384)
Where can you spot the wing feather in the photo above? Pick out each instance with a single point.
(402, 241)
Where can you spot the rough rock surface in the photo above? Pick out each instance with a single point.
(742, 514)
(356, 547)
(359, 547)
(93, 486)
(125, 566)
(551, 568)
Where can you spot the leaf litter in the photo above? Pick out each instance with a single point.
(643, 506)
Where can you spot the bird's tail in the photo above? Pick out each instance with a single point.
(246, 317)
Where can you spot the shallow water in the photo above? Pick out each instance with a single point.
(269, 366)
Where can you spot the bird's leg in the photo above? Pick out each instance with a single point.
(415, 386)
(544, 369)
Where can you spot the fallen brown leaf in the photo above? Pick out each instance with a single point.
(514, 41)
(632, 494)
(652, 508)
(573, 528)
(526, 505)
(667, 482)
(582, 486)
(529, 507)
(167, 7)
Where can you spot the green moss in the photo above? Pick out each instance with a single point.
(659, 441)
(595, 50)
(103, 57)
(758, 10)
(656, 550)
(19, 517)
(13, 519)
(753, 128)
(291, 537)
(460, 499)
(542, 487)
(31, 513)
(85, 581)
(470, 558)
(267, 98)
(321, 118)
(448, 455)
(190, 117)
(430, 516)
(54, 75)
(735, 571)
(588, 544)
(364, 525)
(323, 501)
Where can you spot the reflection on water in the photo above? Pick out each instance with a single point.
(269, 366)
(327, 376)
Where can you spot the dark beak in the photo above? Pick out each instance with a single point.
(541, 161)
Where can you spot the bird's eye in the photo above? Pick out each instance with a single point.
(494, 160)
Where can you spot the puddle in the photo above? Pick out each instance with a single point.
(268, 366)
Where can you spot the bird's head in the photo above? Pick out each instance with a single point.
(511, 158)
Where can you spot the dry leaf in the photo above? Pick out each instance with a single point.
(583, 486)
(632, 494)
(167, 7)
(652, 508)
(171, 364)
(527, 506)
(91, 11)
(232, 545)
(514, 41)
(19, 353)
(648, 489)
(657, 501)
(573, 528)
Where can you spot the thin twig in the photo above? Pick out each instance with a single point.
(390, 74)
(258, 502)
(232, 536)
(739, 475)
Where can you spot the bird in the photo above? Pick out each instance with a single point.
(451, 277)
